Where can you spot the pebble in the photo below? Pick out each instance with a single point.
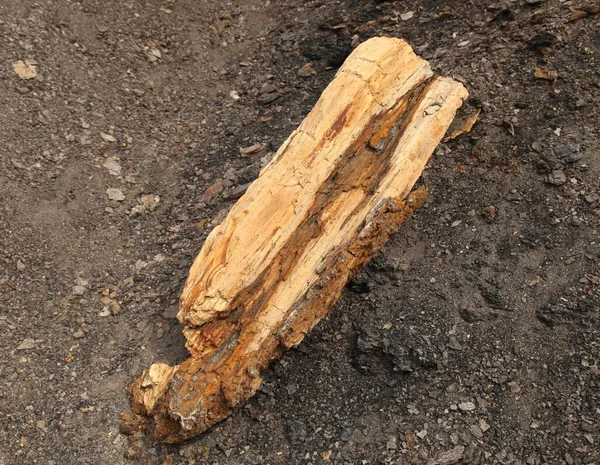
(108, 137)
(268, 93)
(450, 457)
(20, 265)
(27, 344)
(146, 204)
(78, 334)
(112, 165)
(476, 431)
(466, 406)
(483, 425)
(171, 313)
(25, 69)
(115, 194)
(78, 289)
(557, 178)
(252, 150)
(236, 192)
(307, 70)
(296, 431)
(489, 213)
(454, 344)
(567, 153)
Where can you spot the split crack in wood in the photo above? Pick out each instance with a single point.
(327, 201)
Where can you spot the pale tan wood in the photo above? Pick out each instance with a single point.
(327, 201)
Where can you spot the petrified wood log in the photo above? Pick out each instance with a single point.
(324, 205)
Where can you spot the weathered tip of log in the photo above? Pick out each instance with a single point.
(334, 192)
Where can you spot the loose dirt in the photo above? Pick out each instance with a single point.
(474, 336)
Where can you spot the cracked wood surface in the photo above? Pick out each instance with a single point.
(325, 204)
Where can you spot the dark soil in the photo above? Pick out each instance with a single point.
(473, 338)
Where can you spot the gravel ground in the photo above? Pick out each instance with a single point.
(472, 339)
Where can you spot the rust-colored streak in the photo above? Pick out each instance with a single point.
(361, 166)
(212, 335)
(338, 124)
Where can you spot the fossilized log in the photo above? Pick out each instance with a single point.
(327, 201)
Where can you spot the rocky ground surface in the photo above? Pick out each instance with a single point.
(472, 339)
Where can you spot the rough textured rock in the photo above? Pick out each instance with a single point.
(328, 200)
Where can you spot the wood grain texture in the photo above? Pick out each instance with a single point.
(317, 213)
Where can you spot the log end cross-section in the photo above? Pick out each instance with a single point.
(329, 199)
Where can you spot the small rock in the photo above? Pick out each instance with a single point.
(483, 425)
(105, 312)
(454, 344)
(111, 304)
(112, 165)
(392, 443)
(115, 194)
(211, 191)
(296, 431)
(406, 16)
(108, 137)
(154, 54)
(268, 93)
(476, 431)
(577, 222)
(171, 313)
(467, 406)
(27, 344)
(236, 192)
(146, 204)
(450, 457)
(514, 387)
(265, 99)
(567, 153)
(20, 265)
(267, 88)
(557, 178)
(489, 213)
(307, 70)
(234, 95)
(78, 289)
(252, 150)
(25, 69)
(78, 334)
